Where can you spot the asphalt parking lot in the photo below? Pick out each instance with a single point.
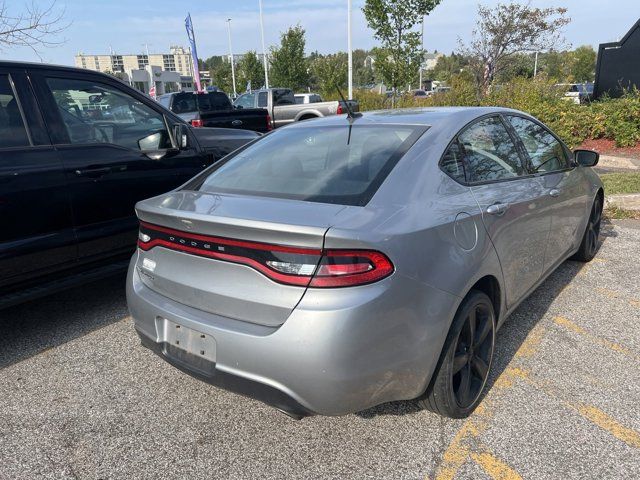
(82, 399)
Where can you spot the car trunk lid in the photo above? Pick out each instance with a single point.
(209, 251)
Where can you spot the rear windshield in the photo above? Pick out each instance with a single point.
(332, 164)
(203, 102)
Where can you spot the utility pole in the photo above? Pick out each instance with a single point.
(350, 53)
(233, 69)
(535, 66)
(264, 50)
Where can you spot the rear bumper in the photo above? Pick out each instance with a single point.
(233, 383)
(337, 353)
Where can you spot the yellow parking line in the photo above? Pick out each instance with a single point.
(604, 421)
(495, 468)
(574, 327)
(459, 450)
(593, 414)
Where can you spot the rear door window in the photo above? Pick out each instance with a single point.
(545, 151)
(489, 152)
(13, 132)
(332, 164)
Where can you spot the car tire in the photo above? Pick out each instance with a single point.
(589, 244)
(464, 362)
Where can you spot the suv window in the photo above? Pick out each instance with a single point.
(94, 112)
(246, 101)
(12, 129)
(545, 151)
(489, 152)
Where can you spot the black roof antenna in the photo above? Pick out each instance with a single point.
(351, 115)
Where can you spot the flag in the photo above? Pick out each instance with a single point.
(152, 90)
(192, 41)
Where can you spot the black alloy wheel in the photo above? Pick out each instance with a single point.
(472, 358)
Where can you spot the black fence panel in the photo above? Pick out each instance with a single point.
(619, 65)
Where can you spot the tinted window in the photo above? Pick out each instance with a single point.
(283, 97)
(211, 102)
(489, 152)
(12, 128)
(318, 164)
(94, 112)
(184, 103)
(299, 99)
(263, 99)
(452, 162)
(545, 151)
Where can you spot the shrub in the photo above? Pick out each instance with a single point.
(613, 119)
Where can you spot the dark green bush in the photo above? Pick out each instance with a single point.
(613, 119)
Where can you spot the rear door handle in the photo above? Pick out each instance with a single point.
(554, 192)
(497, 209)
(93, 172)
(236, 123)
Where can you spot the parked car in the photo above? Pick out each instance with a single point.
(336, 265)
(78, 149)
(419, 94)
(214, 109)
(282, 106)
(304, 98)
(577, 92)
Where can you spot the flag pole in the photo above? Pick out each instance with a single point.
(350, 54)
(233, 69)
(264, 50)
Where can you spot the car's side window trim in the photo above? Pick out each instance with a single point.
(523, 160)
(568, 154)
(23, 117)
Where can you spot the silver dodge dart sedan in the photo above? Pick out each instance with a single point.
(340, 263)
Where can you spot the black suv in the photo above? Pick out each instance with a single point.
(78, 149)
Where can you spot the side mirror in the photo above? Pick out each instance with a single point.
(181, 136)
(586, 158)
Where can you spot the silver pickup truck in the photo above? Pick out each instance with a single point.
(282, 107)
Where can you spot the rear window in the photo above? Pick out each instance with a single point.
(333, 164)
(212, 102)
(184, 103)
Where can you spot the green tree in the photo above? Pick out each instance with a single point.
(556, 65)
(330, 71)
(289, 68)
(221, 77)
(583, 64)
(393, 23)
(250, 69)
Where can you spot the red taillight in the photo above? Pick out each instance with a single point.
(197, 122)
(283, 264)
(346, 268)
(269, 124)
(339, 110)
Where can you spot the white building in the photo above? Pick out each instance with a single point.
(169, 72)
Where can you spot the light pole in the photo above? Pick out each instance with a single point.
(233, 69)
(350, 54)
(421, 53)
(264, 51)
(535, 66)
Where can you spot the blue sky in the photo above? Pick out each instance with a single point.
(125, 25)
